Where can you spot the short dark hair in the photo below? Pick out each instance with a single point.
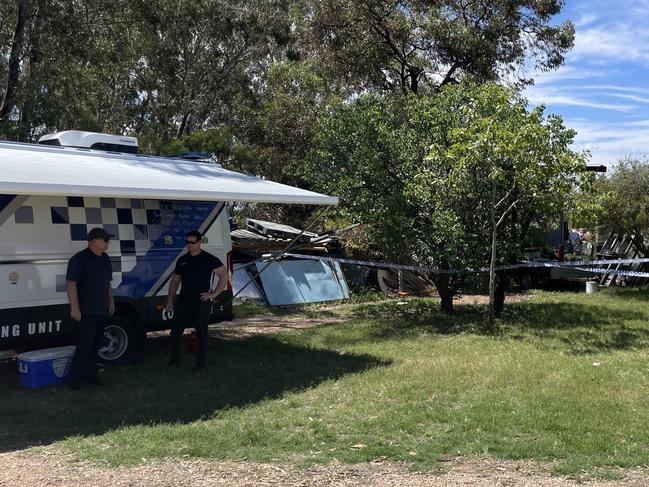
(194, 233)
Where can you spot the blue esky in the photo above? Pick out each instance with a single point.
(602, 90)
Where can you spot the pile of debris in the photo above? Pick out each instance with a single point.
(285, 282)
(260, 237)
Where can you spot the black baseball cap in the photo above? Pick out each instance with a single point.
(99, 233)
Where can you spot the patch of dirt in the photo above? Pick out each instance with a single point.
(243, 328)
(484, 299)
(54, 469)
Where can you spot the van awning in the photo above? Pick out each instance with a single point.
(30, 169)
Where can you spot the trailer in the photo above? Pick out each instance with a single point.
(52, 193)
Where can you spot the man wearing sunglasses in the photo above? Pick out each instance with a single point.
(194, 270)
(87, 282)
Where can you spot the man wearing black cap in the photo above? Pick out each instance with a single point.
(91, 302)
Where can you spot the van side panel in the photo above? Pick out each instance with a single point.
(38, 235)
(46, 326)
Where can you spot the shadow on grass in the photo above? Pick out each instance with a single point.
(634, 294)
(573, 326)
(581, 328)
(239, 373)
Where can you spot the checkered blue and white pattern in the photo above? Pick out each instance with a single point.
(126, 219)
(148, 237)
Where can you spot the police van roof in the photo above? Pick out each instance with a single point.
(32, 169)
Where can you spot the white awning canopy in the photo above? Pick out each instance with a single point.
(31, 169)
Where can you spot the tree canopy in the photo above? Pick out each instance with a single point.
(414, 45)
(436, 176)
(165, 69)
(625, 207)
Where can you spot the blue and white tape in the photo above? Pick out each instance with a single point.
(581, 265)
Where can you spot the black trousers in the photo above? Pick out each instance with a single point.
(191, 315)
(89, 333)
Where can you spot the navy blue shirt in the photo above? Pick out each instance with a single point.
(93, 274)
(196, 273)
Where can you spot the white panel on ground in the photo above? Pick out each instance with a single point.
(299, 282)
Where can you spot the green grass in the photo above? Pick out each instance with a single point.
(565, 378)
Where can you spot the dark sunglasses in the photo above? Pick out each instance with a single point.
(191, 242)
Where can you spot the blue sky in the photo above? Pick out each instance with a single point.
(602, 90)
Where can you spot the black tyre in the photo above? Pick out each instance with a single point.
(119, 339)
(528, 281)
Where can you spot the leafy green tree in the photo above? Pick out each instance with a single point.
(413, 45)
(274, 128)
(157, 67)
(501, 158)
(626, 206)
(74, 70)
(438, 178)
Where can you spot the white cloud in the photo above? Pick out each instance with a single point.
(607, 143)
(585, 19)
(567, 97)
(602, 90)
(627, 89)
(612, 42)
(639, 99)
(568, 73)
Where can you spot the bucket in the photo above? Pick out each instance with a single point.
(591, 287)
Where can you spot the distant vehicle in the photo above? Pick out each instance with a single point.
(53, 192)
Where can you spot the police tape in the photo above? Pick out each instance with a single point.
(616, 272)
(580, 265)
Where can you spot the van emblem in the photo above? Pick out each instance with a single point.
(14, 277)
(169, 240)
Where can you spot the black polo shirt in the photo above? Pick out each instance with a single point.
(93, 274)
(196, 273)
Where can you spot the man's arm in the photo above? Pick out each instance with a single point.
(111, 301)
(222, 273)
(173, 287)
(73, 298)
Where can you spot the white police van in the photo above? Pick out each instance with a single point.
(53, 192)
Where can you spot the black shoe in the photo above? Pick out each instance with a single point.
(172, 362)
(199, 368)
(77, 385)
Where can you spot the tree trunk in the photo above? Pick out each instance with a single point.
(414, 80)
(35, 57)
(492, 267)
(638, 241)
(13, 72)
(501, 287)
(446, 292)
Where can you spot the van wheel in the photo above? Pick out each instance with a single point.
(119, 338)
(528, 281)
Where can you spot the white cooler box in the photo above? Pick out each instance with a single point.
(45, 367)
